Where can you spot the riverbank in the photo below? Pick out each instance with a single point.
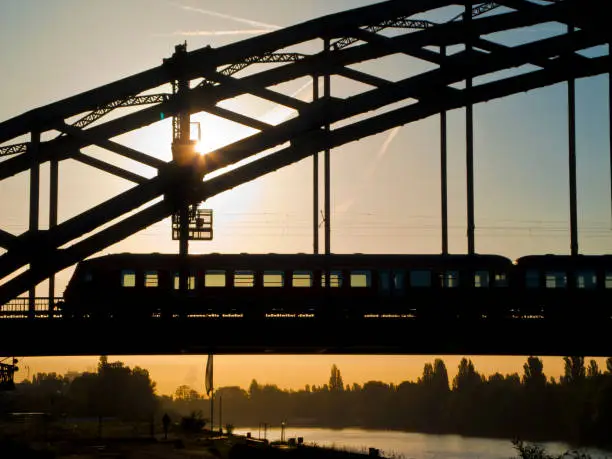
(467, 434)
(83, 444)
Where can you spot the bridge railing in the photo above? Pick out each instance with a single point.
(20, 307)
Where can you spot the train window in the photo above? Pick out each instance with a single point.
(384, 281)
(190, 282)
(532, 278)
(335, 279)
(361, 279)
(420, 278)
(501, 280)
(87, 277)
(399, 280)
(481, 279)
(273, 279)
(556, 279)
(151, 279)
(450, 279)
(214, 278)
(586, 279)
(608, 279)
(128, 278)
(302, 279)
(244, 278)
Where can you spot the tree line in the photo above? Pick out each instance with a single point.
(113, 390)
(576, 409)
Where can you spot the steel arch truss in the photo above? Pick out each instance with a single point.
(349, 38)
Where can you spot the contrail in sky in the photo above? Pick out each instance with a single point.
(197, 33)
(345, 206)
(383, 150)
(250, 22)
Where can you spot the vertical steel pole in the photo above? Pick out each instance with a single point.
(443, 174)
(315, 180)
(469, 130)
(610, 117)
(34, 207)
(53, 197)
(183, 139)
(571, 103)
(326, 95)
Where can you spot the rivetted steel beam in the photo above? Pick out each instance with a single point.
(6, 239)
(110, 168)
(571, 131)
(469, 132)
(81, 224)
(63, 258)
(362, 77)
(115, 147)
(53, 201)
(327, 162)
(393, 46)
(443, 175)
(316, 141)
(264, 93)
(418, 86)
(315, 178)
(206, 58)
(34, 208)
(577, 11)
(207, 96)
(237, 117)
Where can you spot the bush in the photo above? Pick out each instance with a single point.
(193, 423)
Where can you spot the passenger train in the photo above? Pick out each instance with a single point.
(351, 286)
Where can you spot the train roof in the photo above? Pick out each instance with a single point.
(550, 260)
(137, 260)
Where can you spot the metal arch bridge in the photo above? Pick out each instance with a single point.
(202, 78)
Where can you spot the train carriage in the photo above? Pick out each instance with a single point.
(271, 286)
(557, 286)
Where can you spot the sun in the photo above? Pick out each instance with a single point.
(201, 149)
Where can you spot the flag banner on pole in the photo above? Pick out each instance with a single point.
(209, 374)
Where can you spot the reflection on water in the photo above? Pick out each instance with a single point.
(410, 445)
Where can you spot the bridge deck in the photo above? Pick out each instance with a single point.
(47, 337)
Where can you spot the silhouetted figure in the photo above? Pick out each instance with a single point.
(166, 423)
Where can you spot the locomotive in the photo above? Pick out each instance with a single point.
(347, 286)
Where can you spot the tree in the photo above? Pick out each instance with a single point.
(593, 369)
(186, 393)
(467, 378)
(574, 370)
(533, 376)
(440, 376)
(335, 380)
(428, 375)
(254, 388)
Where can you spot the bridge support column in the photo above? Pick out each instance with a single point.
(571, 118)
(315, 180)
(327, 159)
(443, 174)
(34, 206)
(469, 131)
(53, 198)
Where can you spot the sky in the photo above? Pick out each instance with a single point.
(385, 188)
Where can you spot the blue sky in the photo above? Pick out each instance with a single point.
(385, 189)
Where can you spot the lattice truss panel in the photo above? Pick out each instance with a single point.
(257, 66)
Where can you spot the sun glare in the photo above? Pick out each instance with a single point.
(201, 149)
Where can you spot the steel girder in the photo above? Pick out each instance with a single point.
(431, 90)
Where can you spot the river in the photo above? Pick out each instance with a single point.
(406, 445)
